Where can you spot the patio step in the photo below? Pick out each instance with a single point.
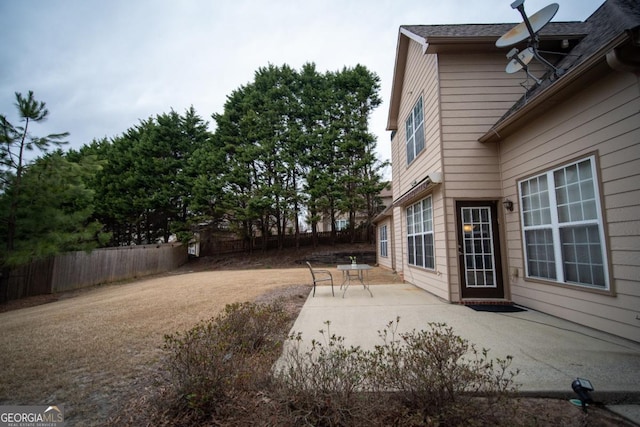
(486, 302)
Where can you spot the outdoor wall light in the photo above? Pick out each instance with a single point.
(508, 205)
(582, 387)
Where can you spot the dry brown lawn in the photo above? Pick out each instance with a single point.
(90, 349)
(95, 350)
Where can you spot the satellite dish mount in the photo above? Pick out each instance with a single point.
(528, 29)
(520, 61)
(535, 40)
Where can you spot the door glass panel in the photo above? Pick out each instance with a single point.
(466, 217)
(488, 278)
(477, 247)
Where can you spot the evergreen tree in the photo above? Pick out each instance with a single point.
(146, 185)
(15, 141)
(299, 137)
(54, 209)
(361, 178)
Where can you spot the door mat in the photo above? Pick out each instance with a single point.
(496, 308)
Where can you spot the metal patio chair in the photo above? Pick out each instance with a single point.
(320, 276)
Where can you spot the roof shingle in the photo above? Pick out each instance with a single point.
(614, 17)
(554, 29)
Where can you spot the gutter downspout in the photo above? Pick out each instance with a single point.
(626, 58)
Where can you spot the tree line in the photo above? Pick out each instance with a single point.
(290, 146)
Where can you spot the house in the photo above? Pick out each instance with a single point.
(361, 217)
(516, 187)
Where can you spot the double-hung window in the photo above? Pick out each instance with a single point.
(384, 241)
(415, 131)
(562, 226)
(420, 234)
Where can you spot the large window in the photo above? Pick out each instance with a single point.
(420, 234)
(384, 241)
(415, 131)
(562, 226)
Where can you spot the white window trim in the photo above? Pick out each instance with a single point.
(384, 241)
(556, 226)
(415, 126)
(421, 233)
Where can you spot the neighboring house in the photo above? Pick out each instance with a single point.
(503, 195)
(342, 219)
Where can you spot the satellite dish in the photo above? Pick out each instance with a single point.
(537, 21)
(519, 62)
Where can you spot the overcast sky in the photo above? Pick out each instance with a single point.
(102, 65)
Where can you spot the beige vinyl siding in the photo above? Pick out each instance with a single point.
(603, 120)
(396, 151)
(398, 242)
(420, 79)
(475, 92)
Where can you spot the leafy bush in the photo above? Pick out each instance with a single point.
(441, 376)
(221, 373)
(323, 385)
(217, 361)
(428, 377)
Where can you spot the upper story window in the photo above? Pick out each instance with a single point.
(415, 131)
(563, 227)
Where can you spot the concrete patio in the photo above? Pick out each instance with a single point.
(549, 352)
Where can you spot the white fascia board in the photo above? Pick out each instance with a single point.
(421, 40)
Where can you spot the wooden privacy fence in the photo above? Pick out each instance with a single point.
(75, 270)
(210, 246)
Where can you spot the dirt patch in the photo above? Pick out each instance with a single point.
(93, 350)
